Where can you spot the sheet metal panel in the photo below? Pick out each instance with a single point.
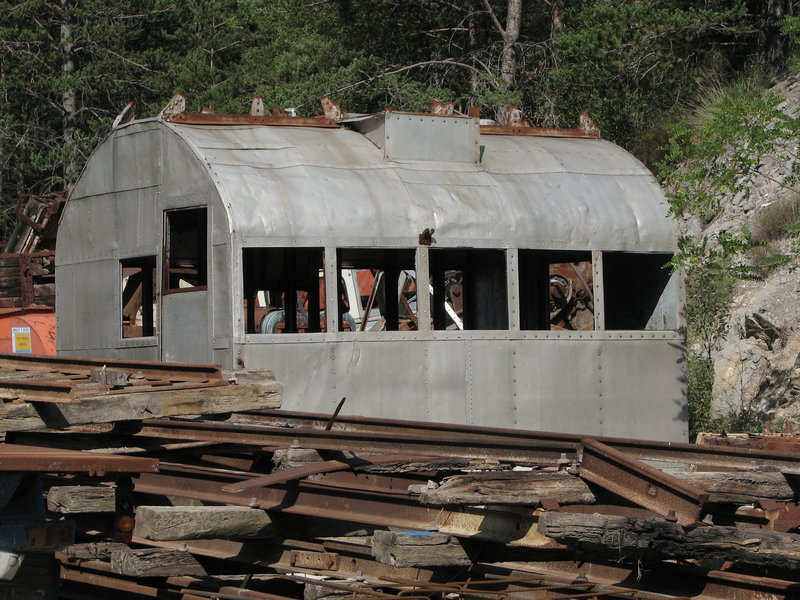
(124, 161)
(223, 297)
(555, 385)
(185, 335)
(648, 375)
(95, 313)
(331, 185)
(492, 400)
(439, 139)
(186, 179)
(133, 234)
(86, 230)
(547, 384)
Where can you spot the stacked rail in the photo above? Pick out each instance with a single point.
(257, 502)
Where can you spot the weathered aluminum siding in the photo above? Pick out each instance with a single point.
(116, 212)
(321, 187)
(594, 383)
(333, 188)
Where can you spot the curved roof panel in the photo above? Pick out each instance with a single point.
(325, 186)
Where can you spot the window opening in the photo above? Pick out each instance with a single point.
(377, 289)
(468, 289)
(284, 290)
(556, 290)
(185, 250)
(637, 291)
(138, 297)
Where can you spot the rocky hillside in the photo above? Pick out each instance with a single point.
(757, 364)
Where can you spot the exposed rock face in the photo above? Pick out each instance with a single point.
(758, 363)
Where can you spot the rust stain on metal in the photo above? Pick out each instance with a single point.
(538, 132)
(15, 457)
(185, 118)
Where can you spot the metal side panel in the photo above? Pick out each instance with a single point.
(221, 307)
(491, 378)
(448, 364)
(185, 327)
(304, 369)
(381, 378)
(65, 307)
(555, 384)
(136, 159)
(96, 308)
(134, 216)
(643, 390)
(378, 378)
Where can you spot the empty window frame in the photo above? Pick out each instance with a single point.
(284, 290)
(377, 289)
(556, 290)
(469, 289)
(139, 296)
(640, 293)
(185, 249)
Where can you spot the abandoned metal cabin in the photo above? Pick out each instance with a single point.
(424, 266)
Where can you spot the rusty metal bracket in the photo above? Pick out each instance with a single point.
(642, 484)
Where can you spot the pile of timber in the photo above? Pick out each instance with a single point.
(27, 260)
(264, 503)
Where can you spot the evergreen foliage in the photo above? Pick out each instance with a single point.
(68, 67)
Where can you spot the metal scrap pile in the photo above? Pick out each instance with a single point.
(264, 503)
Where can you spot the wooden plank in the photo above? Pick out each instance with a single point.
(742, 487)
(526, 488)
(154, 562)
(615, 536)
(530, 487)
(75, 499)
(162, 523)
(140, 405)
(418, 549)
(93, 550)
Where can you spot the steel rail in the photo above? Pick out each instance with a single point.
(673, 579)
(53, 460)
(723, 456)
(161, 370)
(518, 451)
(514, 526)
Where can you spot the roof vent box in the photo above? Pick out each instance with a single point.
(421, 137)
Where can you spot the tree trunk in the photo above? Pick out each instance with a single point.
(69, 96)
(776, 43)
(508, 66)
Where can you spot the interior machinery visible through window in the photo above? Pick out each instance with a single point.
(284, 290)
(638, 294)
(185, 249)
(556, 290)
(377, 289)
(468, 289)
(138, 296)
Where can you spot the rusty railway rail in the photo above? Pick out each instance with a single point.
(360, 478)
(520, 451)
(14, 364)
(731, 457)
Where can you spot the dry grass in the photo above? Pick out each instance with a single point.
(775, 221)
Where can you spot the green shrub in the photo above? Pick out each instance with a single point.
(700, 374)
